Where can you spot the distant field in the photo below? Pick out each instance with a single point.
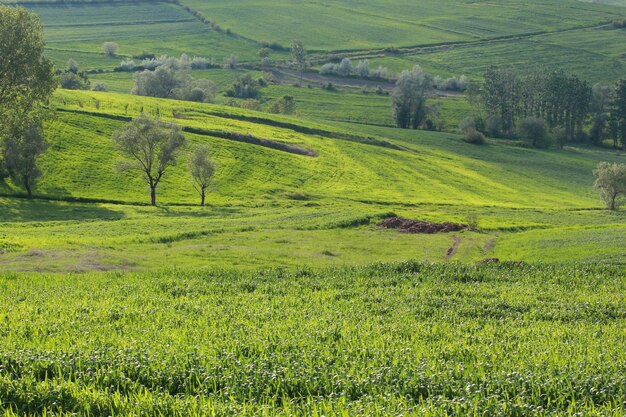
(596, 55)
(367, 24)
(78, 31)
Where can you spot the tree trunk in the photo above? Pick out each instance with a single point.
(202, 195)
(29, 191)
(153, 195)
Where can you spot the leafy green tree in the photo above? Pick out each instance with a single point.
(202, 169)
(298, 53)
(244, 87)
(26, 77)
(611, 183)
(285, 105)
(21, 150)
(619, 111)
(533, 130)
(409, 98)
(152, 146)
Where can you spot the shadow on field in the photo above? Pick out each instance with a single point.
(23, 210)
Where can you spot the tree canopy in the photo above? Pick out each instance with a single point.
(26, 76)
(151, 146)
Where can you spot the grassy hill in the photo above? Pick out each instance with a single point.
(310, 194)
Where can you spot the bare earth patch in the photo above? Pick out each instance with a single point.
(415, 226)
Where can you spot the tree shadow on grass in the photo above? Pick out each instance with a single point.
(25, 210)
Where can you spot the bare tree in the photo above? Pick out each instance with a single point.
(152, 147)
(202, 170)
(611, 183)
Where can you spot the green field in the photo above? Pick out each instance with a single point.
(284, 295)
(368, 24)
(389, 339)
(78, 30)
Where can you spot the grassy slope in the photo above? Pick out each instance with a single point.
(268, 207)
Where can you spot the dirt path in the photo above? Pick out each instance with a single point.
(456, 242)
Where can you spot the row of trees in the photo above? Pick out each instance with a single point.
(507, 104)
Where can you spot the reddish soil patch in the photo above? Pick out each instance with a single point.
(414, 226)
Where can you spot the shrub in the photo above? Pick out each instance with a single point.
(363, 69)
(125, 65)
(99, 86)
(244, 87)
(533, 131)
(232, 62)
(109, 48)
(493, 126)
(73, 81)
(474, 137)
(345, 67)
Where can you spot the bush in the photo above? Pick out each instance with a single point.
(533, 131)
(72, 81)
(125, 65)
(244, 87)
(232, 62)
(363, 69)
(99, 86)
(474, 137)
(493, 126)
(202, 63)
(109, 48)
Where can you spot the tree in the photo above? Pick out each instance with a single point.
(21, 150)
(152, 147)
(363, 69)
(533, 131)
(298, 54)
(345, 67)
(611, 183)
(172, 79)
(109, 48)
(202, 170)
(619, 111)
(26, 77)
(285, 105)
(244, 87)
(409, 98)
(470, 132)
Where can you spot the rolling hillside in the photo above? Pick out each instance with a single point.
(285, 183)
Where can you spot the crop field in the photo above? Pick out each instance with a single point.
(368, 25)
(596, 55)
(78, 30)
(387, 339)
